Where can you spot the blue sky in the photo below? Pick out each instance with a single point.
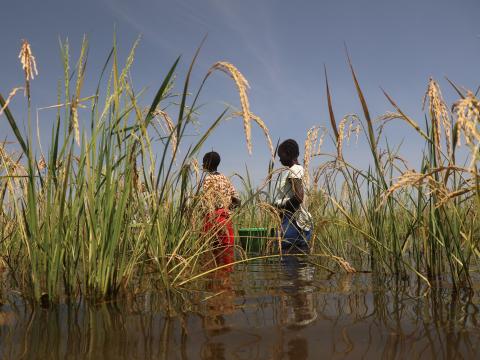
(280, 46)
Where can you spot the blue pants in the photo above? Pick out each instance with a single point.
(292, 235)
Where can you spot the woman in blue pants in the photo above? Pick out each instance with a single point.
(290, 199)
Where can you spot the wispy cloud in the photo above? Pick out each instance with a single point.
(134, 16)
(254, 29)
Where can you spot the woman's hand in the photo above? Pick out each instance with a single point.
(236, 202)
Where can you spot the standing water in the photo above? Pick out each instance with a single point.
(271, 309)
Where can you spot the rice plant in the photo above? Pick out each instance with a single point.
(99, 213)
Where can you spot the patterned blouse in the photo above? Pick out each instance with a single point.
(218, 191)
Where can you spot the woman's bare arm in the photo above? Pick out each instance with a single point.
(296, 200)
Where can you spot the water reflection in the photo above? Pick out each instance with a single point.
(297, 305)
(286, 309)
(297, 289)
(218, 305)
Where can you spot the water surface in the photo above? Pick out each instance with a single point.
(275, 309)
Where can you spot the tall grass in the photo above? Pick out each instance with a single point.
(99, 213)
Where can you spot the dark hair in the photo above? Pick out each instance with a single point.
(289, 148)
(211, 160)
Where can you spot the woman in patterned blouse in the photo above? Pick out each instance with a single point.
(219, 197)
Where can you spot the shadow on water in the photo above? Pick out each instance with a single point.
(275, 309)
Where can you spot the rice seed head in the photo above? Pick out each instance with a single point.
(170, 128)
(312, 147)
(344, 193)
(74, 125)
(130, 59)
(388, 116)
(138, 184)
(27, 60)
(196, 169)
(406, 179)
(439, 115)
(357, 131)
(12, 167)
(312, 135)
(242, 87)
(413, 178)
(467, 112)
(447, 196)
(353, 128)
(350, 132)
(29, 65)
(42, 164)
(341, 135)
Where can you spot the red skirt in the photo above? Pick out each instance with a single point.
(219, 222)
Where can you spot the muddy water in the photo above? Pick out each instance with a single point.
(277, 309)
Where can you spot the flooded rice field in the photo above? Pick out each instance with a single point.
(268, 309)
